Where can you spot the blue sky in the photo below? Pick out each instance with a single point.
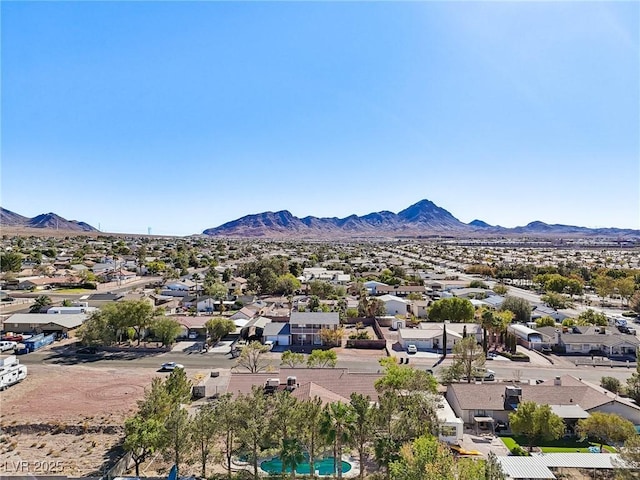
(181, 116)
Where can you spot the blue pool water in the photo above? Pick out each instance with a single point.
(323, 466)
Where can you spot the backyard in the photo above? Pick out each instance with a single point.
(563, 445)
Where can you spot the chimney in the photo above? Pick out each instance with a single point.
(557, 381)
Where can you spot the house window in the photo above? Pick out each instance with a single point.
(448, 431)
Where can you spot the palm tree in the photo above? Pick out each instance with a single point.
(336, 424)
(291, 455)
(487, 321)
(41, 302)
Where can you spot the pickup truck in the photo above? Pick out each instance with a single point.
(7, 345)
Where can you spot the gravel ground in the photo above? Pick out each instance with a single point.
(66, 419)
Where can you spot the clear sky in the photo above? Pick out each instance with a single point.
(181, 116)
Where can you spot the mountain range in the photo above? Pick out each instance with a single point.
(45, 220)
(424, 218)
(421, 219)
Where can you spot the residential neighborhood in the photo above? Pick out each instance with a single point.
(323, 321)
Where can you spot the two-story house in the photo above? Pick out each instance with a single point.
(305, 327)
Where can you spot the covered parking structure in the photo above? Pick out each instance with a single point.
(547, 465)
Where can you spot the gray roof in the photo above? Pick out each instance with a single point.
(537, 466)
(580, 460)
(65, 320)
(276, 328)
(569, 411)
(319, 318)
(525, 467)
(493, 300)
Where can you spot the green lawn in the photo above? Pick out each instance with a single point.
(556, 446)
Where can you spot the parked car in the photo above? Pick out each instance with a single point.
(7, 345)
(193, 335)
(491, 355)
(411, 348)
(170, 366)
(483, 374)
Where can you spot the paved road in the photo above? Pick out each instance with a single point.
(505, 370)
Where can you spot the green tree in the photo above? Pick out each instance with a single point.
(322, 359)
(178, 387)
(362, 426)
(546, 322)
(218, 328)
(634, 302)
(455, 310)
(252, 357)
(227, 414)
(500, 289)
(608, 428)
(42, 302)
(591, 317)
(493, 468)
(142, 437)
(291, 455)
(10, 262)
(178, 441)
(156, 402)
(555, 300)
(136, 314)
(611, 383)
(520, 307)
(97, 330)
(336, 425)
(370, 307)
(425, 458)
(282, 422)
(166, 330)
(219, 293)
(253, 429)
(204, 430)
(287, 284)
(311, 411)
(536, 423)
(628, 466)
(469, 358)
(291, 359)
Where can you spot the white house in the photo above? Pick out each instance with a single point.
(451, 427)
(372, 286)
(394, 305)
(427, 339)
(277, 332)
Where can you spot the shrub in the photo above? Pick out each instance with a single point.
(611, 383)
(518, 451)
(516, 357)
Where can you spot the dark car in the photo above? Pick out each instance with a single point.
(500, 426)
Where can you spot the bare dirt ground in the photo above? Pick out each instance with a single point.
(67, 419)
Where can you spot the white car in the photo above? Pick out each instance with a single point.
(486, 375)
(411, 348)
(169, 366)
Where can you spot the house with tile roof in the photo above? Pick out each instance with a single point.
(492, 402)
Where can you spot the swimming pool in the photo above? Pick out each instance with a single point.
(324, 466)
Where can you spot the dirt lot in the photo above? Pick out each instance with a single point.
(66, 419)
